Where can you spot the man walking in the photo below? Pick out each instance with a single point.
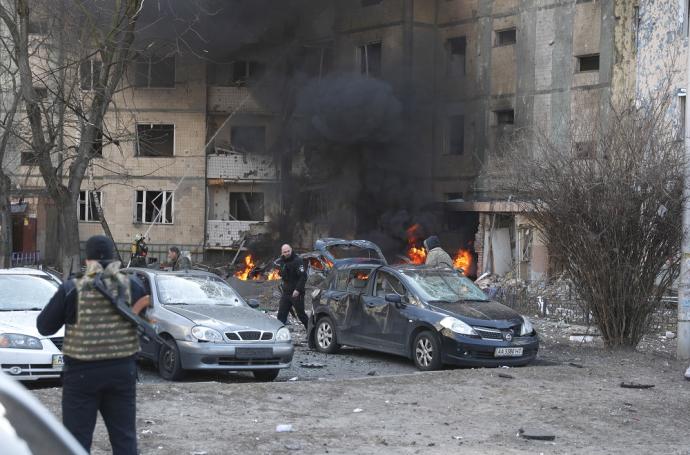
(294, 278)
(436, 256)
(99, 347)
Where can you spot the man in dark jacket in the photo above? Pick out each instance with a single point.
(294, 277)
(436, 256)
(99, 347)
(177, 261)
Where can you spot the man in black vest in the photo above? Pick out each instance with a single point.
(100, 346)
(294, 278)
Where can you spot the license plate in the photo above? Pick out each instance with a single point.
(508, 352)
(58, 361)
(253, 353)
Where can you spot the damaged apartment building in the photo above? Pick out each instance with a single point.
(209, 158)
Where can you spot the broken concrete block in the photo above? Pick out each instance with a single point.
(535, 434)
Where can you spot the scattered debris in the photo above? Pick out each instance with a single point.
(200, 452)
(149, 422)
(146, 432)
(535, 435)
(457, 438)
(505, 376)
(293, 379)
(293, 446)
(312, 365)
(633, 385)
(358, 410)
(670, 335)
(582, 338)
(372, 373)
(576, 365)
(284, 428)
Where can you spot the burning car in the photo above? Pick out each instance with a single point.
(433, 316)
(209, 326)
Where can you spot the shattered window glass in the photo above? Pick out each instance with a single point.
(443, 285)
(196, 290)
(351, 251)
(388, 284)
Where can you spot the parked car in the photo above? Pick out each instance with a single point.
(27, 427)
(24, 353)
(209, 326)
(433, 316)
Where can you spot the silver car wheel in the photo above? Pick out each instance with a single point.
(424, 352)
(324, 335)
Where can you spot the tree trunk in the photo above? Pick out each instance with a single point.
(5, 223)
(69, 222)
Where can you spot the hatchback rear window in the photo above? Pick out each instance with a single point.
(352, 251)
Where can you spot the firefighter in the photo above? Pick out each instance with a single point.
(294, 277)
(139, 251)
(436, 256)
(178, 261)
(99, 349)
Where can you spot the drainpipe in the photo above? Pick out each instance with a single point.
(683, 352)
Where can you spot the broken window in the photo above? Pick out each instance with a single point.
(588, 63)
(506, 37)
(90, 74)
(505, 117)
(456, 135)
(248, 139)
(29, 158)
(456, 55)
(340, 282)
(41, 93)
(154, 72)
(585, 150)
(357, 280)
(247, 206)
(235, 74)
(388, 284)
(155, 140)
(316, 61)
(316, 205)
(366, 3)
(88, 211)
(154, 207)
(370, 59)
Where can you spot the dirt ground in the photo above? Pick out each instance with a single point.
(573, 393)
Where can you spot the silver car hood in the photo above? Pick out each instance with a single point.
(226, 318)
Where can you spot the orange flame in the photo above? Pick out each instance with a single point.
(249, 266)
(362, 276)
(417, 254)
(463, 261)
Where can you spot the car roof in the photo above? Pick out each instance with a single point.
(26, 271)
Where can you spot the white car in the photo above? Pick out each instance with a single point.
(24, 353)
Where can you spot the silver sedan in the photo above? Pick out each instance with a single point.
(209, 326)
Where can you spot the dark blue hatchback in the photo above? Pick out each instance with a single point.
(433, 316)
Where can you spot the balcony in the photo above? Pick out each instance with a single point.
(234, 99)
(233, 166)
(229, 234)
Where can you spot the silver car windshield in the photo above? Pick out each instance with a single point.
(25, 292)
(443, 285)
(196, 290)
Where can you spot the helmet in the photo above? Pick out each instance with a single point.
(138, 237)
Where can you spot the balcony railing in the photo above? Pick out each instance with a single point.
(227, 234)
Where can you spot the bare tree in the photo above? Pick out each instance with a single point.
(9, 101)
(77, 32)
(607, 199)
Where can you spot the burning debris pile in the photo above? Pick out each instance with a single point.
(251, 272)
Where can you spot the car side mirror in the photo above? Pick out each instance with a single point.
(393, 298)
(253, 303)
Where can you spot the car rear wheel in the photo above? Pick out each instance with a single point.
(265, 375)
(169, 364)
(325, 337)
(426, 351)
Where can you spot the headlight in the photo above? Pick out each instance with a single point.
(457, 326)
(526, 328)
(18, 341)
(283, 334)
(202, 333)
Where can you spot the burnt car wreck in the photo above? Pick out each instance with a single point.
(430, 315)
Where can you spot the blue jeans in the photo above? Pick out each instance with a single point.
(107, 386)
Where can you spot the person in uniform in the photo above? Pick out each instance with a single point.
(99, 349)
(294, 277)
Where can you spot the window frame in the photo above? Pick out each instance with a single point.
(93, 84)
(450, 55)
(499, 42)
(579, 59)
(235, 213)
(363, 59)
(164, 205)
(137, 146)
(86, 200)
(149, 65)
(376, 285)
(449, 139)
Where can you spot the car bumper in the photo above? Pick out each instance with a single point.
(468, 351)
(208, 356)
(29, 365)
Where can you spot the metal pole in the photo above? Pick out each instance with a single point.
(683, 352)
